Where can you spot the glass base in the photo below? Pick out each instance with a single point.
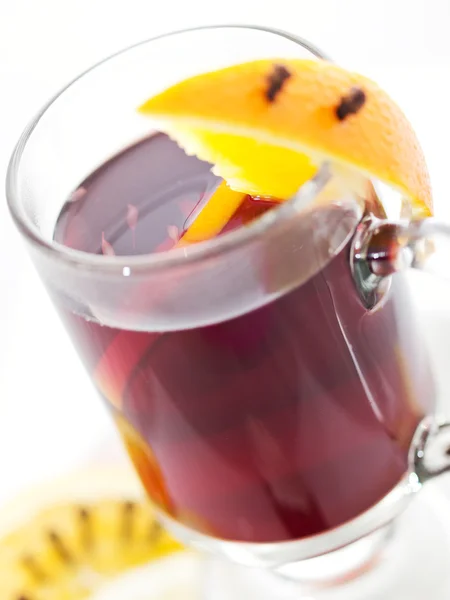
(412, 564)
(408, 562)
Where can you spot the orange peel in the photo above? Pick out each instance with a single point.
(267, 125)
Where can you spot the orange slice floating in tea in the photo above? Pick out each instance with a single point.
(268, 125)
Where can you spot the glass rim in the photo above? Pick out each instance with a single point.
(153, 261)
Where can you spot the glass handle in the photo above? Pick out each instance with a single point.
(381, 248)
(430, 449)
(388, 246)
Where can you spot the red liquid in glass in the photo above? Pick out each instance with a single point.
(276, 425)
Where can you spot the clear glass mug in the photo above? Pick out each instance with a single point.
(285, 410)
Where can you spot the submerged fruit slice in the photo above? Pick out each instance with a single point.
(267, 125)
(144, 462)
(67, 542)
(210, 221)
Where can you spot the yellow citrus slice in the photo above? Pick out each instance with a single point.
(68, 540)
(210, 221)
(267, 125)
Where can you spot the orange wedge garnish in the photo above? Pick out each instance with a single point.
(268, 125)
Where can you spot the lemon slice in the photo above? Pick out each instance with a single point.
(267, 125)
(68, 540)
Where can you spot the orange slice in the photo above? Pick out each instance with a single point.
(145, 463)
(214, 215)
(268, 125)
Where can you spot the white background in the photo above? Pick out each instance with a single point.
(50, 419)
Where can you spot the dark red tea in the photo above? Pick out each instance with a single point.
(279, 424)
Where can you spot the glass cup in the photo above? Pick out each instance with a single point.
(270, 385)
